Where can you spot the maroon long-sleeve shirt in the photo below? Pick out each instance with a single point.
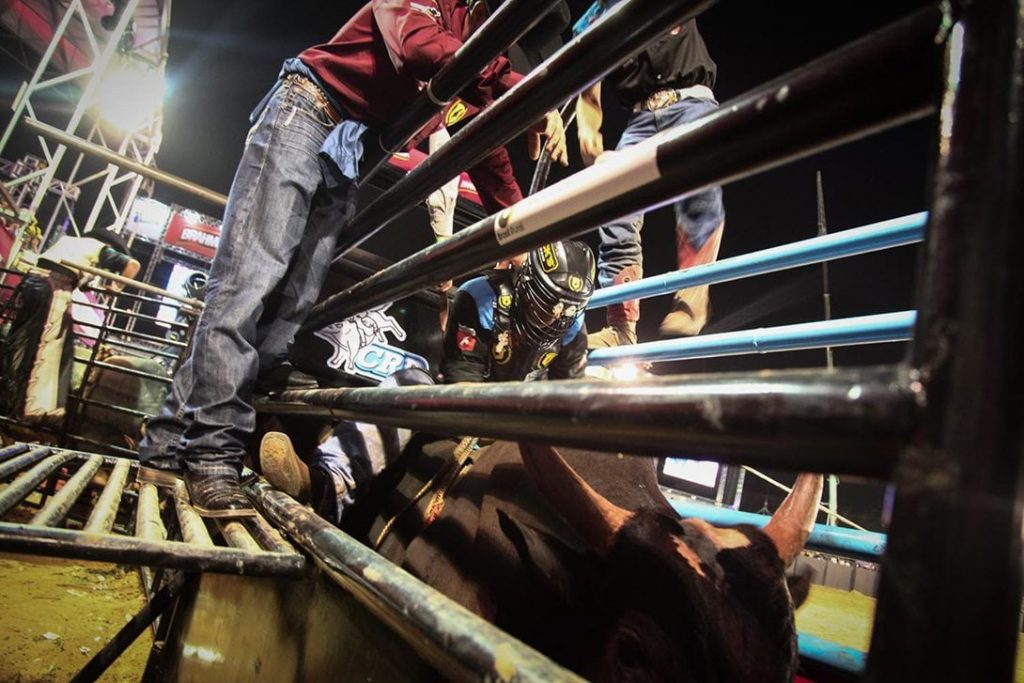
(380, 61)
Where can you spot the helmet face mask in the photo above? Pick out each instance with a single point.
(551, 289)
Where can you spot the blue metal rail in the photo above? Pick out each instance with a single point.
(868, 329)
(895, 232)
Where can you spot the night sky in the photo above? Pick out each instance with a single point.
(223, 56)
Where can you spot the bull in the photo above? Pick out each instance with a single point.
(580, 555)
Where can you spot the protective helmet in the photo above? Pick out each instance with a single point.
(551, 291)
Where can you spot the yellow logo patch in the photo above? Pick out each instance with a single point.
(548, 259)
(501, 354)
(575, 283)
(547, 359)
(505, 302)
(456, 112)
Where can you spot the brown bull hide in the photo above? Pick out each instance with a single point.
(646, 596)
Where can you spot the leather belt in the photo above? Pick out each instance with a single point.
(300, 81)
(659, 99)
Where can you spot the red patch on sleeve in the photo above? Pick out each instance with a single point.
(466, 339)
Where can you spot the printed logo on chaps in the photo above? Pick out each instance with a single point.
(360, 345)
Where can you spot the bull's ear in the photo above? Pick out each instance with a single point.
(552, 562)
(800, 586)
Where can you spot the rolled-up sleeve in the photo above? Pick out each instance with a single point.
(419, 44)
(417, 41)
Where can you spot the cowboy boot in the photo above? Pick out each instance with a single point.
(282, 467)
(622, 318)
(690, 306)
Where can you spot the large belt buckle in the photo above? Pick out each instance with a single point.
(662, 98)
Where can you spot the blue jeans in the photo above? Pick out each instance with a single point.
(697, 215)
(280, 227)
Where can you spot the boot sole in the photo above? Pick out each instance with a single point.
(156, 476)
(224, 514)
(280, 464)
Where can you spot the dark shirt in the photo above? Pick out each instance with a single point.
(113, 260)
(470, 343)
(679, 59)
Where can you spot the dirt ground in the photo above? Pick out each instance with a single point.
(56, 614)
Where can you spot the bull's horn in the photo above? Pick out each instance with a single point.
(592, 515)
(791, 524)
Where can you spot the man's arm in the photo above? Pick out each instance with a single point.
(589, 116)
(419, 44)
(114, 261)
(466, 343)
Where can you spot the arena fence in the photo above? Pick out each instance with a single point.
(103, 405)
(943, 425)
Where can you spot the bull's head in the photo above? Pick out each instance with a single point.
(677, 599)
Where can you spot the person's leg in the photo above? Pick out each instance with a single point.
(700, 221)
(43, 389)
(31, 303)
(269, 208)
(620, 255)
(161, 433)
(342, 465)
(286, 311)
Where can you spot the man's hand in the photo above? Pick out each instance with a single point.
(591, 144)
(588, 123)
(551, 128)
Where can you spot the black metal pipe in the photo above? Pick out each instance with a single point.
(190, 524)
(56, 509)
(620, 34)
(12, 450)
(141, 349)
(131, 333)
(189, 309)
(101, 444)
(132, 314)
(148, 524)
(459, 644)
(108, 406)
(21, 538)
(27, 483)
(130, 631)
(105, 512)
(854, 421)
(850, 93)
(126, 371)
(950, 587)
(10, 467)
(507, 25)
(268, 537)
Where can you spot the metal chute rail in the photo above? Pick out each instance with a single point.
(942, 425)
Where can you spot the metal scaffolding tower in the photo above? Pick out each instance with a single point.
(110, 56)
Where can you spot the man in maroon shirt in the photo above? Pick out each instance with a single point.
(293, 193)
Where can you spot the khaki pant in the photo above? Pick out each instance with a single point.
(41, 394)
